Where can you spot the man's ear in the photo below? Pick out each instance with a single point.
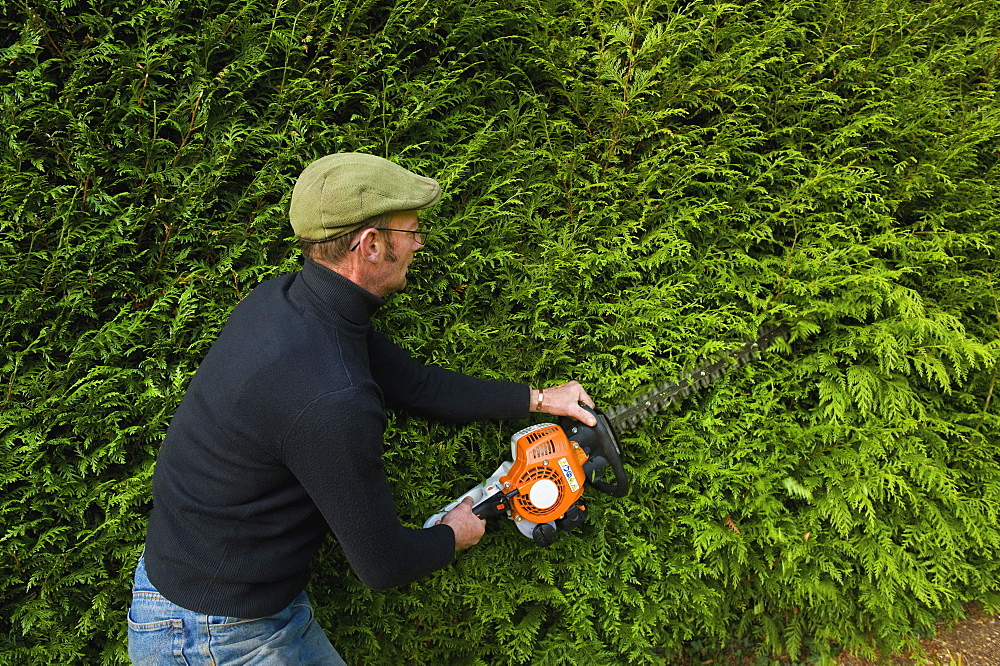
(370, 245)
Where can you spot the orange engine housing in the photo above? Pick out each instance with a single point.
(547, 472)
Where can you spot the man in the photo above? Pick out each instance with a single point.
(278, 439)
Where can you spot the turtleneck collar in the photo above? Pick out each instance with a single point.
(336, 295)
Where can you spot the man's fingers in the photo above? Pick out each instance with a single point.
(467, 526)
(581, 395)
(468, 501)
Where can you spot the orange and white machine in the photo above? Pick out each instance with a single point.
(541, 488)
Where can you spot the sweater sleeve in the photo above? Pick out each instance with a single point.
(435, 392)
(334, 448)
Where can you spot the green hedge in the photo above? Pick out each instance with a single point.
(629, 186)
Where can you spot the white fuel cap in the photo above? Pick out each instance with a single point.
(544, 493)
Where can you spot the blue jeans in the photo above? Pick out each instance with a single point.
(161, 632)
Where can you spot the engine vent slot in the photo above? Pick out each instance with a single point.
(542, 451)
(536, 435)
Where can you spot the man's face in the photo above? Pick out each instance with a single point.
(403, 246)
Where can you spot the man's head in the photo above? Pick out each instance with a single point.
(357, 214)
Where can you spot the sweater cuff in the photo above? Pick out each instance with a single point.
(449, 534)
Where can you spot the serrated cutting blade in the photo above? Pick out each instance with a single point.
(659, 398)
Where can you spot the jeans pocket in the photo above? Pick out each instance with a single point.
(154, 638)
(244, 629)
(275, 639)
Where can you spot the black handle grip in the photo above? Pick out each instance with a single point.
(494, 505)
(601, 444)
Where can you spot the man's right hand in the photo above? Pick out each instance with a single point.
(467, 526)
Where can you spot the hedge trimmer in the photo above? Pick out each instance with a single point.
(541, 489)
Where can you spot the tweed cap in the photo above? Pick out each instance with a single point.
(335, 194)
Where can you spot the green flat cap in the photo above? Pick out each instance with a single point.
(335, 194)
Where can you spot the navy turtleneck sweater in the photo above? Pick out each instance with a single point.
(278, 441)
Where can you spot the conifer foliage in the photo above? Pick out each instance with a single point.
(629, 186)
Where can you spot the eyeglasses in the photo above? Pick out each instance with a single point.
(419, 235)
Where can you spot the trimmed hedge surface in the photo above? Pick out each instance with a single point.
(629, 187)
